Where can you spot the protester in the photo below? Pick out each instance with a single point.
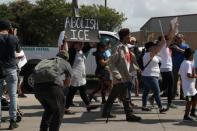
(151, 73)
(135, 82)
(20, 57)
(102, 70)
(50, 77)
(178, 49)
(121, 77)
(188, 77)
(135, 69)
(9, 43)
(78, 82)
(166, 66)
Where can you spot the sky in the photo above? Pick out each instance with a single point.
(138, 12)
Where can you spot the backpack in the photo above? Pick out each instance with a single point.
(46, 70)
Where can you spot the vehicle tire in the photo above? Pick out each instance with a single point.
(28, 81)
(27, 71)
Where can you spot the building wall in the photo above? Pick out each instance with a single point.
(187, 26)
(187, 23)
(190, 38)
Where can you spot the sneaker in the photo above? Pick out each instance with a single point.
(68, 112)
(12, 125)
(187, 118)
(95, 99)
(110, 115)
(146, 109)
(162, 110)
(163, 95)
(133, 105)
(92, 107)
(133, 118)
(173, 106)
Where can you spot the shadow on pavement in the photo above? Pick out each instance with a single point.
(156, 121)
(31, 107)
(3, 129)
(187, 123)
(33, 114)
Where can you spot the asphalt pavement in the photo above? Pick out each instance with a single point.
(92, 121)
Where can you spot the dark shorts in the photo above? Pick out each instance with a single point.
(191, 98)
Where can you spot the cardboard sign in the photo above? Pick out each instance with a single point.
(174, 23)
(78, 29)
(21, 59)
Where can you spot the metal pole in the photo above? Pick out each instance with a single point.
(105, 3)
(75, 8)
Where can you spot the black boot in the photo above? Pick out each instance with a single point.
(103, 100)
(12, 125)
(193, 114)
(131, 117)
(103, 97)
(92, 107)
(108, 115)
(43, 129)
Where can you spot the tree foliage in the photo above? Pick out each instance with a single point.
(40, 23)
(109, 19)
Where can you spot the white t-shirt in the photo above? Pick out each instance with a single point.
(79, 75)
(166, 59)
(188, 84)
(153, 67)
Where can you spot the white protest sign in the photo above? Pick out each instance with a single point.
(21, 59)
(174, 23)
(81, 29)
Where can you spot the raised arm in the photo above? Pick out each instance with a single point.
(171, 34)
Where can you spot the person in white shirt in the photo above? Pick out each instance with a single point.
(150, 74)
(166, 71)
(78, 81)
(188, 77)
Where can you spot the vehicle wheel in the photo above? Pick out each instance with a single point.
(26, 71)
(29, 81)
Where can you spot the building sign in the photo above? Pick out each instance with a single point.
(81, 29)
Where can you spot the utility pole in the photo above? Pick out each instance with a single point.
(75, 8)
(105, 3)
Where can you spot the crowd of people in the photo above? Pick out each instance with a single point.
(156, 69)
